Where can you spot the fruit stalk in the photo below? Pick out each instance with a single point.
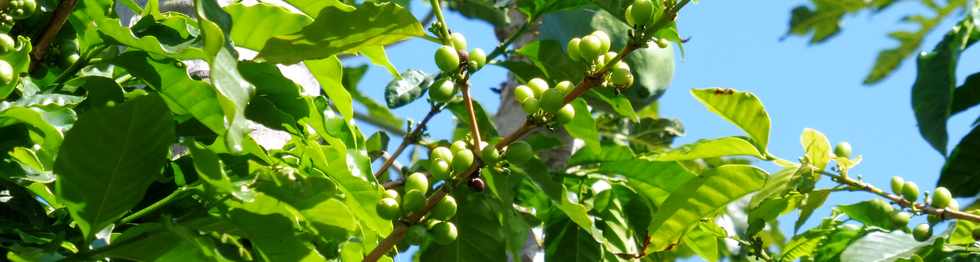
(50, 31)
(409, 139)
(943, 213)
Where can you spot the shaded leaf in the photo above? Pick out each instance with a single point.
(961, 171)
(881, 246)
(583, 126)
(407, 88)
(967, 95)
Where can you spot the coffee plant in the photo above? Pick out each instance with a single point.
(177, 131)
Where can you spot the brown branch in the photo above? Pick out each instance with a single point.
(942, 213)
(54, 26)
(408, 139)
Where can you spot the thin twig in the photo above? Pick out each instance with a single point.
(54, 26)
(943, 213)
(408, 139)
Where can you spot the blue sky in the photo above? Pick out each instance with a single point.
(736, 44)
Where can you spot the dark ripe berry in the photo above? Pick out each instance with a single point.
(417, 181)
(447, 59)
(941, 197)
(897, 183)
(445, 209)
(922, 232)
(443, 232)
(843, 149)
(477, 184)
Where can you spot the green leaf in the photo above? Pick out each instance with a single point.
(20, 60)
(967, 95)
(700, 198)
(313, 7)
(881, 246)
(703, 239)
(824, 18)
(801, 246)
(961, 172)
(210, 169)
(336, 31)
(522, 70)
(329, 73)
(711, 148)
(284, 95)
(816, 147)
(480, 232)
(547, 56)
(183, 94)
(935, 83)
(654, 180)
(255, 24)
(868, 213)
(551, 185)
(407, 88)
(111, 28)
(565, 241)
(109, 159)
(45, 126)
(483, 121)
(583, 125)
(154, 241)
(740, 108)
(615, 102)
(888, 60)
(608, 153)
(270, 225)
(769, 210)
(814, 200)
(778, 184)
(232, 89)
(379, 56)
(486, 10)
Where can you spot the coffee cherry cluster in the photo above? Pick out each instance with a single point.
(941, 198)
(392, 206)
(593, 49)
(448, 57)
(537, 98)
(639, 13)
(11, 10)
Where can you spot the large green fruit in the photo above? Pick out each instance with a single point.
(462, 160)
(6, 72)
(522, 93)
(7, 43)
(490, 154)
(843, 149)
(442, 91)
(388, 208)
(573, 51)
(519, 152)
(417, 181)
(566, 114)
(479, 56)
(413, 200)
(442, 153)
(565, 86)
(901, 219)
(590, 47)
(440, 169)
(539, 86)
(910, 191)
(445, 209)
(447, 59)
(620, 74)
(897, 184)
(457, 146)
(444, 233)
(941, 197)
(640, 12)
(459, 41)
(922, 232)
(530, 105)
(552, 100)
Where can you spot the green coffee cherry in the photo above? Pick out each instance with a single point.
(447, 59)
(417, 181)
(565, 86)
(522, 93)
(442, 153)
(530, 105)
(393, 194)
(910, 191)
(442, 91)
(640, 12)
(843, 149)
(901, 219)
(590, 47)
(6, 72)
(519, 152)
(922, 232)
(552, 100)
(662, 43)
(538, 85)
(21, 9)
(462, 160)
(440, 169)
(479, 56)
(458, 40)
(7, 43)
(897, 183)
(416, 234)
(953, 205)
(604, 41)
(566, 114)
(444, 233)
(608, 57)
(882, 205)
(445, 209)
(490, 154)
(573, 50)
(933, 219)
(459, 145)
(621, 75)
(388, 208)
(413, 200)
(941, 197)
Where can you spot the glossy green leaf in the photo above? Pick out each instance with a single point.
(700, 198)
(45, 122)
(710, 148)
(210, 169)
(868, 213)
(740, 108)
(909, 41)
(110, 157)
(881, 246)
(379, 56)
(703, 239)
(583, 126)
(551, 185)
(336, 31)
(329, 73)
(824, 18)
(962, 169)
(255, 24)
(966, 95)
(801, 246)
(480, 232)
(547, 56)
(654, 180)
(935, 82)
(113, 29)
(313, 7)
(814, 200)
(270, 225)
(565, 241)
(408, 88)
(816, 147)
